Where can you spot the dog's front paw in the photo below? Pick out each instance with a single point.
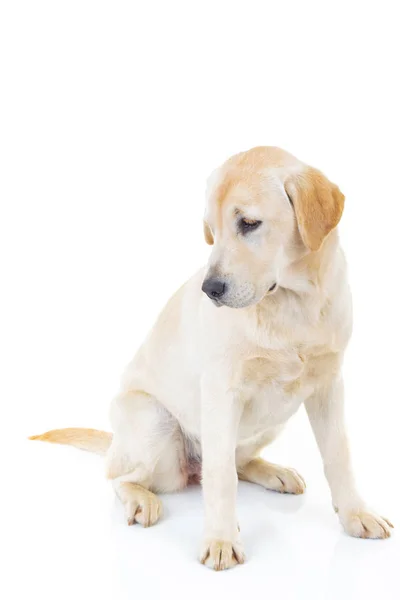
(220, 555)
(364, 524)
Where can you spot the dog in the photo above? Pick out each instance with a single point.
(235, 352)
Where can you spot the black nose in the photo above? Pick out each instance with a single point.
(214, 288)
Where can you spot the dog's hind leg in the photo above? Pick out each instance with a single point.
(147, 455)
(272, 477)
(141, 505)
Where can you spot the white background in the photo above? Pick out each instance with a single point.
(112, 116)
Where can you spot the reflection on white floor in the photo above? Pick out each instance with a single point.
(66, 537)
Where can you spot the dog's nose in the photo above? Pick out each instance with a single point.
(214, 288)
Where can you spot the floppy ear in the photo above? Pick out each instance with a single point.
(208, 236)
(318, 205)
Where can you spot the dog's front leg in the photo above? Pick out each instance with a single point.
(220, 416)
(326, 414)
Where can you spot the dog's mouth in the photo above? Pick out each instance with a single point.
(217, 302)
(236, 303)
(220, 302)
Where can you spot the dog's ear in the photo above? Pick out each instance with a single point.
(318, 205)
(208, 236)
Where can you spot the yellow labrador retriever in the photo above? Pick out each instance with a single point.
(258, 332)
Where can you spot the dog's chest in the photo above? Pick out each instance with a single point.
(284, 374)
(271, 389)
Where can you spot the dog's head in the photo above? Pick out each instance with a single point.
(265, 210)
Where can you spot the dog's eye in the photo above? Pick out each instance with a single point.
(246, 225)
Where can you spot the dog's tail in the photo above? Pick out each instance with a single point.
(91, 440)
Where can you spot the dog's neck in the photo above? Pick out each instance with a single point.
(307, 285)
(308, 289)
(308, 275)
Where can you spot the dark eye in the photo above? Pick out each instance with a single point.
(246, 225)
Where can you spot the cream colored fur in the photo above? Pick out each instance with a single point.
(213, 385)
